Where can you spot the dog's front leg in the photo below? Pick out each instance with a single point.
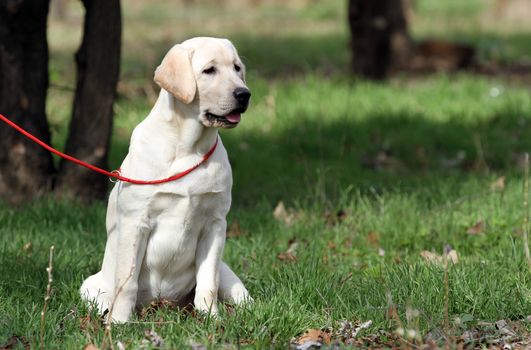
(131, 248)
(207, 262)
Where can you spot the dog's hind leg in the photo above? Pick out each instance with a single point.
(231, 288)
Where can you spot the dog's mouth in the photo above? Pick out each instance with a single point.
(230, 119)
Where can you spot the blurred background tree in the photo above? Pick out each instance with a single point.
(98, 68)
(379, 36)
(278, 39)
(26, 170)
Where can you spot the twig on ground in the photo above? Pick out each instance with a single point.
(393, 314)
(47, 297)
(525, 227)
(446, 298)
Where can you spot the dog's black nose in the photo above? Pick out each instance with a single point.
(242, 95)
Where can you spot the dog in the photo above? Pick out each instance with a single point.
(165, 240)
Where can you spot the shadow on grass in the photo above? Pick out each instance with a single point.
(392, 152)
(323, 158)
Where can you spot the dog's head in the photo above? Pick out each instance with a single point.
(209, 74)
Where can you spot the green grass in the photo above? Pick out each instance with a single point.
(410, 163)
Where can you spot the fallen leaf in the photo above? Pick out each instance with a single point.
(289, 255)
(280, 211)
(155, 305)
(311, 338)
(498, 185)
(431, 257)
(452, 257)
(286, 257)
(235, 229)
(90, 347)
(477, 229)
(331, 245)
(287, 216)
(27, 248)
(373, 238)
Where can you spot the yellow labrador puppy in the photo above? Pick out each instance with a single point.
(165, 240)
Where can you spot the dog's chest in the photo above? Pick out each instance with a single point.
(177, 223)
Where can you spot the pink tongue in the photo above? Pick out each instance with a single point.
(234, 118)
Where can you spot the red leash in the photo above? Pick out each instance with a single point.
(112, 174)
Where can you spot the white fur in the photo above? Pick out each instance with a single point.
(164, 240)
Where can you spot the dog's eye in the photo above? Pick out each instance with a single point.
(237, 68)
(210, 70)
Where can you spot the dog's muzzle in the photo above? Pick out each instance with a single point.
(242, 96)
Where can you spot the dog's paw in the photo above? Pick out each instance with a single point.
(117, 316)
(240, 296)
(205, 303)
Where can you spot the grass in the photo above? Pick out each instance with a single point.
(408, 166)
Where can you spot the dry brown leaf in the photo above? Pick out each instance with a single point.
(280, 211)
(313, 336)
(439, 259)
(27, 248)
(286, 257)
(452, 256)
(90, 347)
(159, 304)
(235, 229)
(498, 185)
(284, 215)
(431, 257)
(477, 229)
(331, 245)
(373, 238)
(290, 254)
(325, 259)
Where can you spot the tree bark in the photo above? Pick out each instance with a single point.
(379, 37)
(98, 64)
(25, 169)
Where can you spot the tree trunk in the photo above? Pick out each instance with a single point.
(98, 64)
(25, 168)
(379, 36)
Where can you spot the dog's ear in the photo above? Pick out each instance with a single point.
(175, 74)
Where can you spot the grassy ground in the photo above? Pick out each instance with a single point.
(371, 175)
